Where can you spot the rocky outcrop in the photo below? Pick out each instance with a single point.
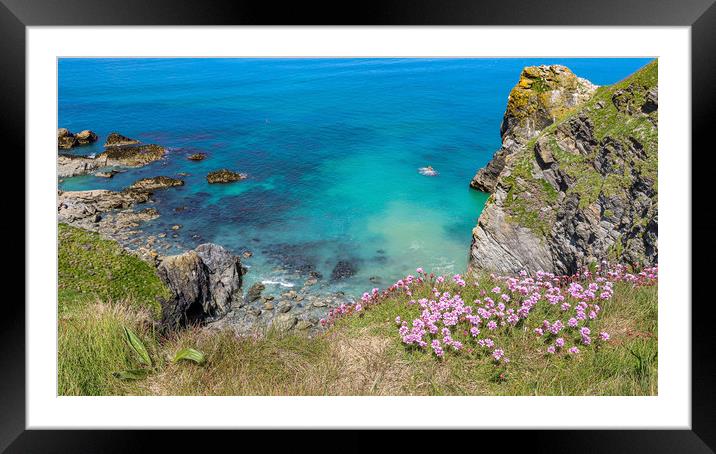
(204, 283)
(119, 151)
(154, 183)
(131, 155)
(118, 140)
(73, 206)
(254, 292)
(127, 155)
(86, 137)
(543, 95)
(67, 140)
(224, 176)
(196, 156)
(582, 190)
(72, 166)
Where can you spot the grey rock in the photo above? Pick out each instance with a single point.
(529, 112)
(575, 226)
(254, 292)
(284, 322)
(204, 283)
(284, 306)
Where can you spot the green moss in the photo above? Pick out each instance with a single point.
(539, 85)
(92, 269)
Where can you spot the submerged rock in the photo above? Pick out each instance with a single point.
(224, 176)
(154, 183)
(107, 174)
(343, 269)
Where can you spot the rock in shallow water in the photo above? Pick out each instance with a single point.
(154, 183)
(115, 139)
(254, 292)
(343, 269)
(224, 176)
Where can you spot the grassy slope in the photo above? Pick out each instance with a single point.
(101, 288)
(360, 355)
(94, 269)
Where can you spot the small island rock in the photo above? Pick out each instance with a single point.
(224, 176)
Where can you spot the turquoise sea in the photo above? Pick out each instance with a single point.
(331, 147)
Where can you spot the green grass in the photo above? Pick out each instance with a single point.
(361, 355)
(91, 347)
(94, 269)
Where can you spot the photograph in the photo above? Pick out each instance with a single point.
(363, 226)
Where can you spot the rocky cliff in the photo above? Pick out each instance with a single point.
(576, 178)
(542, 95)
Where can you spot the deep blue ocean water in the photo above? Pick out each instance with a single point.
(331, 147)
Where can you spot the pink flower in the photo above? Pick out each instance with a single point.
(604, 336)
(559, 342)
(573, 350)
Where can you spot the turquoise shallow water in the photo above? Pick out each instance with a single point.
(331, 146)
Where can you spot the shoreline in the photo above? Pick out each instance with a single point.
(122, 217)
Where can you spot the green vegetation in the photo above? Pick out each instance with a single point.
(362, 354)
(91, 347)
(93, 269)
(615, 116)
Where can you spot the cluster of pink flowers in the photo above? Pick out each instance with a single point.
(447, 323)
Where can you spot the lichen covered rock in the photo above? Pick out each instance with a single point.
(543, 95)
(224, 176)
(67, 140)
(117, 140)
(131, 155)
(154, 183)
(582, 190)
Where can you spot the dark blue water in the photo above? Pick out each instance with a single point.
(331, 147)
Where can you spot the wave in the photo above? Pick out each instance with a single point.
(281, 283)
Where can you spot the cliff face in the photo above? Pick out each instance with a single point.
(542, 95)
(580, 188)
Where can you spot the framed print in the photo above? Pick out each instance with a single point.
(407, 217)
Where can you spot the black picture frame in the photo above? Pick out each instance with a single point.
(700, 15)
